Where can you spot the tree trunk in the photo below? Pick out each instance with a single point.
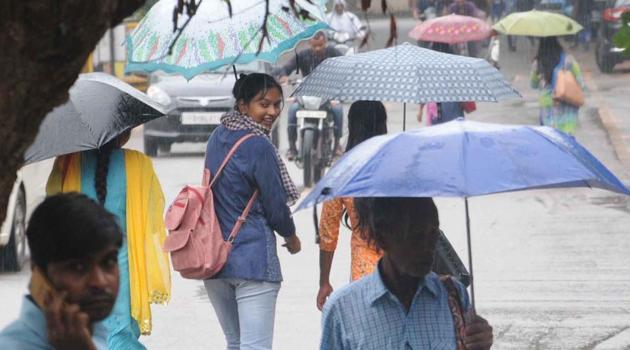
(44, 46)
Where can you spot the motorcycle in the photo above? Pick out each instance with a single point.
(344, 42)
(315, 137)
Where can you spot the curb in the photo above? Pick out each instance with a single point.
(610, 122)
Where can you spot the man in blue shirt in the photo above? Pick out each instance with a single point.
(74, 246)
(402, 305)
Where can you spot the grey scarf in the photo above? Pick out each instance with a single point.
(237, 121)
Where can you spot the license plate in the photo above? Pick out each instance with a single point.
(201, 118)
(312, 114)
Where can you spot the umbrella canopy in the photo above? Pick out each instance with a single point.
(451, 29)
(100, 108)
(537, 23)
(214, 39)
(406, 73)
(463, 159)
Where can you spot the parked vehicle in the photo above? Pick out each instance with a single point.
(28, 191)
(315, 137)
(195, 106)
(606, 54)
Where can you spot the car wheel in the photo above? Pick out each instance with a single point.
(165, 147)
(150, 147)
(13, 255)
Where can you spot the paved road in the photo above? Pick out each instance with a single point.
(552, 267)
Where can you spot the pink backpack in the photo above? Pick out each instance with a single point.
(195, 240)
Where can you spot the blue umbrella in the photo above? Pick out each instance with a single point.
(463, 159)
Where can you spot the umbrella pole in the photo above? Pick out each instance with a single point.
(404, 116)
(470, 259)
(234, 70)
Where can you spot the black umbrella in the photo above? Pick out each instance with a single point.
(100, 108)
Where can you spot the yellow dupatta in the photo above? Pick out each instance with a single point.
(149, 266)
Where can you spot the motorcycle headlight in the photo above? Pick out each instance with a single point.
(311, 102)
(158, 95)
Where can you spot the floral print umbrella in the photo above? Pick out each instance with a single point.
(214, 39)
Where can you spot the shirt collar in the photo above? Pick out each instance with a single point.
(378, 289)
(33, 317)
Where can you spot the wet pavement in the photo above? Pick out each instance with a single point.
(552, 266)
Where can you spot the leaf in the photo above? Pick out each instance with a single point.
(365, 4)
(229, 5)
(384, 6)
(393, 31)
(365, 40)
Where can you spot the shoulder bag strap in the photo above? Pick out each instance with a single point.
(455, 305)
(227, 159)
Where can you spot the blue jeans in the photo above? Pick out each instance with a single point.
(337, 112)
(246, 311)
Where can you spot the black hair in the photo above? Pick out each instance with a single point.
(365, 119)
(319, 35)
(102, 169)
(248, 86)
(441, 47)
(102, 165)
(70, 226)
(548, 57)
(393, 216)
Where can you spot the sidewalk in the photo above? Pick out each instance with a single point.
(611, 94)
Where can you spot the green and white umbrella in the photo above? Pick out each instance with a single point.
(214, 38)
(537, 23)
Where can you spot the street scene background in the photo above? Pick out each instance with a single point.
(552, 269)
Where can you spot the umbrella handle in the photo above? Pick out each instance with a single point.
(470, 259)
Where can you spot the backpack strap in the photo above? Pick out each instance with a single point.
(457, 310)
(241, 219)
(226, 160)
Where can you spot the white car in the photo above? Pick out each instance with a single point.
(28, 191)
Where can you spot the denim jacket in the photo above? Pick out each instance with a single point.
(253, 166)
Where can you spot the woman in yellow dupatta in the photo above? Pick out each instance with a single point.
(125, 183)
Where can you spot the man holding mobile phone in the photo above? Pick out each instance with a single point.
(74, 245)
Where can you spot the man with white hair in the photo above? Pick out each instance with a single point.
(341, 20)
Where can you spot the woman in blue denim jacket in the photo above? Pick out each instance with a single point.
(244, 292)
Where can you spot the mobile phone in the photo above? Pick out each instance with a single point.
(40, 286)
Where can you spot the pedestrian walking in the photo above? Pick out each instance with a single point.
(498, 7)
(468, 8)
(582, 13)
(442, 112)
(402, 305)
(365, 120)
(243, 294)
(74, 244)
(551, 59)
(124, 182)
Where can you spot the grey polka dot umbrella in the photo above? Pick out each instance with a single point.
(409, 74)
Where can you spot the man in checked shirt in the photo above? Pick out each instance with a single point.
(402, 305)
